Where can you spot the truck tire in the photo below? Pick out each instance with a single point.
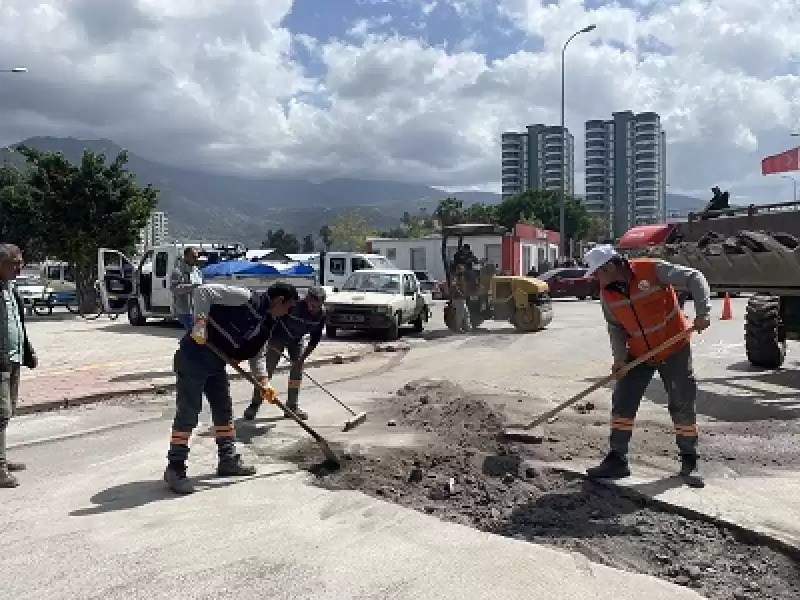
(330, 331)
(764, 338)
(135, 317)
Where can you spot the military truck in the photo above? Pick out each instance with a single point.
(747, 249)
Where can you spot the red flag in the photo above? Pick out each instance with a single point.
(781, 163)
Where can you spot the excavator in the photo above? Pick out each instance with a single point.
(522, 301)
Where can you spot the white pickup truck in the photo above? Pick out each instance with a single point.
(378, 300)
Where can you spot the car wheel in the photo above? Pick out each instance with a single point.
(135, 316)
(418, 324)
(330, 331)
(393, 333)
(581, 297)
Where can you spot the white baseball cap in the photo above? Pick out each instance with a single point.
(599, 256)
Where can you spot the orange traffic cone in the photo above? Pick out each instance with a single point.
(727, 313)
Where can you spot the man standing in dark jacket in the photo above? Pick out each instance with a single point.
(307, 317)
(238, 323)
(15, 350)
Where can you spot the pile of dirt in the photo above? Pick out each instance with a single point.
(469, 476)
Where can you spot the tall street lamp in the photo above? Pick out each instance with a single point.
(794, 185)
(15, 70)
(563, 205)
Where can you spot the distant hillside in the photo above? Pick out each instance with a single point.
(202, 204)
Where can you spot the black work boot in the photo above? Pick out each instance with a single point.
(614, 466)
(175, 476)
(233, 466)
(16, 466)
(251, 411)
(301, 414)
(7, 480)
(689, 471)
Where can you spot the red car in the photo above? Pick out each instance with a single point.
(571, 282)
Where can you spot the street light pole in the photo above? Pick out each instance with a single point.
(562, 221)
(15, 70)
(794, 185)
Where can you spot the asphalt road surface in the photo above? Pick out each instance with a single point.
(91, 519)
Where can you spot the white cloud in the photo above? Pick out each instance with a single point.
(218, 84)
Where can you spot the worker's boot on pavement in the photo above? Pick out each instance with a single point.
(251, 411)
(614, 466)
(7, 480)
(233, 466)
(301, 414)
(177, 481)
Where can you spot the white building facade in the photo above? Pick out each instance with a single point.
(531, 160)
(626, 170)
(515, 254)
(156, 232)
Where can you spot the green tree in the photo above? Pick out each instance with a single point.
(308, 244)
(87, 206)
(325, 236)
(21, 222)
(597, 231)
(349, 232)
(479, 213)
(543, 208)
(450, 211)
(281, 241)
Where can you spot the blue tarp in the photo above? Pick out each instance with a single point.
(245, 267)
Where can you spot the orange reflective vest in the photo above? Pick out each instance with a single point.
(649, 313)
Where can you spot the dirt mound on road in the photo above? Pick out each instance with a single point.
(467, 475)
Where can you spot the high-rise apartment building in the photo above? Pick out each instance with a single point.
(531, 160)
(626, 170)
(156, 232)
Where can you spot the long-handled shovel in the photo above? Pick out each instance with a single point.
(525, 435)
(330, 457)
(357, 418)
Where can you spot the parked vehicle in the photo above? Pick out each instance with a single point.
(32, 290)
(378, 300)
(335, 268)
(144, 290)
(571, 282)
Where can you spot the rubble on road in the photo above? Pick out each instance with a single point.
(469, 476)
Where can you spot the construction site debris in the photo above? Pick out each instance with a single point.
(465, 474)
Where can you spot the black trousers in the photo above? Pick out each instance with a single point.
(199, 371)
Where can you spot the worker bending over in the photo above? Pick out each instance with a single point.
(641, 309)
(238, 323)
(307, 317)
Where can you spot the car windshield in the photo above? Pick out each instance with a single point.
(379, 262)
(372, 282)
(548, 275)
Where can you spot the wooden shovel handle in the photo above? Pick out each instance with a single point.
(609, 378)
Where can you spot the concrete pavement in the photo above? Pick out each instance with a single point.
(92, 520)
(93, 501)
(81, 360)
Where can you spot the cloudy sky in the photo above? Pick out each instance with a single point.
(411, 90)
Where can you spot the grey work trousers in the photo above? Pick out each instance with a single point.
(9, 396)
(275, 350)
(199, 371)
(679, 381)
(461, 314)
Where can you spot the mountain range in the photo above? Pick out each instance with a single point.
(211, 206)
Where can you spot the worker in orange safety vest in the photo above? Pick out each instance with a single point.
(641, 309)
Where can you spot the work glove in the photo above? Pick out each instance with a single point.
(268, 393)
(199, 332)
